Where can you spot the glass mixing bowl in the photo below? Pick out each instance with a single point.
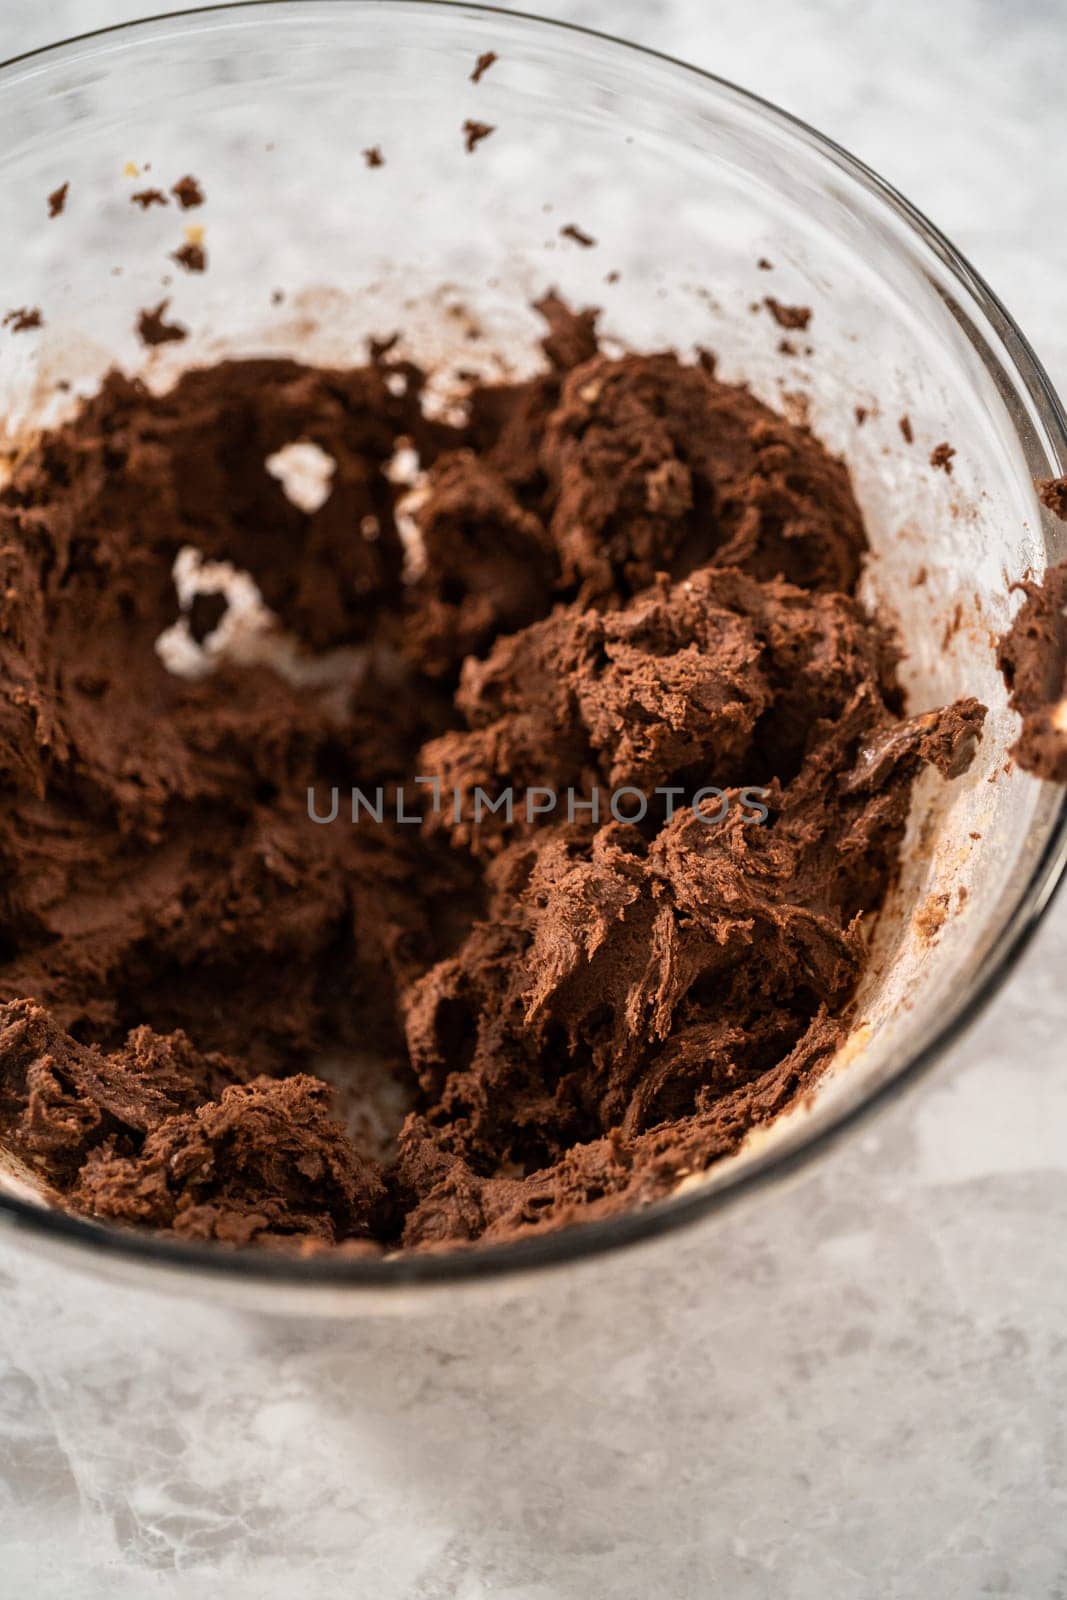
(685, 183)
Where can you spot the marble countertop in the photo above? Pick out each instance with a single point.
(851, 1388)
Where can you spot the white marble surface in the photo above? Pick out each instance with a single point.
(850, 1390)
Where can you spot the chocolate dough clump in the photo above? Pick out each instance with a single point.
(620, 580)
(1033, 660)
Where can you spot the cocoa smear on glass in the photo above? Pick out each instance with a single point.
(1033, 660)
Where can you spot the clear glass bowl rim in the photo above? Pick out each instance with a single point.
(478, 1263)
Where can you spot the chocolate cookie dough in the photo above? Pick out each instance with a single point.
(1033, 660)
(620, 578)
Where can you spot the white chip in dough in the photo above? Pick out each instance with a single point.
(305, 472)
